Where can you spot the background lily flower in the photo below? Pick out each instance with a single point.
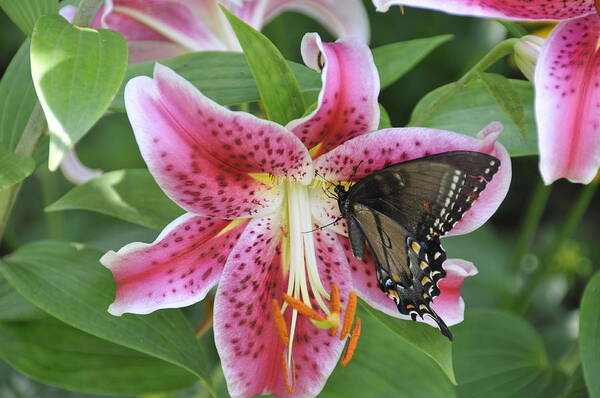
(512, 9)
(157, 29)
(251, 193)
(565, 79)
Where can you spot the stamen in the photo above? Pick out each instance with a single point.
(349, 315)
(303, 308)
(352, 343)
(334, 303)
(280, 323)
(290, 374)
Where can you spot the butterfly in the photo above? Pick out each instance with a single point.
(401, 212)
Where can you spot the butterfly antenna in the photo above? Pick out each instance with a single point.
(324, 226)
(356, 170)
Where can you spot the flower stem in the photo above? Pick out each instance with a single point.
(530, 224)
(499, 51)
(35, 128)
(86, 12)
(567, 229)
(514, 28)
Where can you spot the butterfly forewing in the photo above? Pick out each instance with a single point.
(427, 196)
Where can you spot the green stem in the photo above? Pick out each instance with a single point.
(35, 128)
(514, 28)
(86, 12)
(499, 51)
(523, 301)
(530, 224)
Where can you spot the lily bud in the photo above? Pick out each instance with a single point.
(527, 50)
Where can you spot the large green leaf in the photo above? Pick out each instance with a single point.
(277, 84)
(55, 353)
(76, 73)
(507, 98)
(589, 336)
(13, 307)
(131, 195)
(17, 98)
(497, 354)
(394, 60)
(386, 366)
(224, 77)
(14, 168)
(24, 13)
(474, 107)
(67, 281)
(423, 337)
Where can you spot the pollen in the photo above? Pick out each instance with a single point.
(334, 304)
(303, 309)
(280, 325)
(349, 315)
(352, 343)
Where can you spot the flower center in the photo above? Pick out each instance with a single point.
(305, 289)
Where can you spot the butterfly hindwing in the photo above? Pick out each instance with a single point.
(403, 270)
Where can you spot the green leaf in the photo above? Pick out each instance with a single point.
(17, 98)
(14, 168)
(423, 337)
(223, 77)
(131, 195)
(76, 73)
(385, 366)
(576, 386)
(497, 354)
(507, 98)
(277, 85)
(394, 60)
(13, 307)
(589, 335)
(24, 13)
(472, 108)
(52, 352)
(384, 118)
(67, 281)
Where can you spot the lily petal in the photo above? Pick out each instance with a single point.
(167, 21)
(203, 155)
(371, 152)
(449, 304)
(248, 344)
(174, 271)
(347, 105)
(343, 18)
(511, 9)
(567, 98)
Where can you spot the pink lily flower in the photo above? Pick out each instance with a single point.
(509, 9)
(251, 191)
(157, 29)
(566, 79)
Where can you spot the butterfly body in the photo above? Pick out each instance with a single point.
(401, 212)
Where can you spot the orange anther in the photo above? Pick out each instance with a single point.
(303, 308)
(280, 323)
(352, 343)
(334, 304)
(597, 4)
(349, 315)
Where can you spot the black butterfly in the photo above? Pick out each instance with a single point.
(401, 211)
